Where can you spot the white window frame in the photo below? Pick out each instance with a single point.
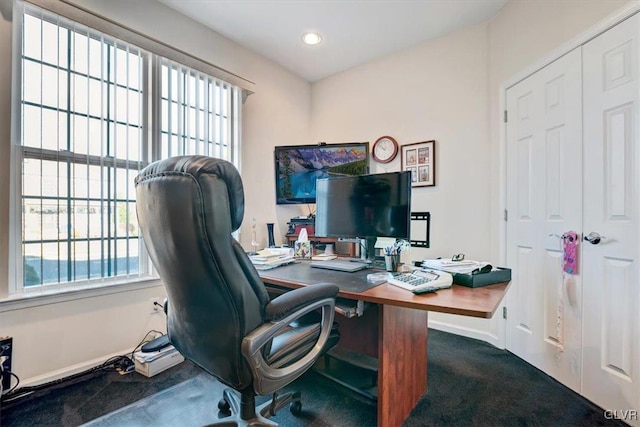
(159, 53)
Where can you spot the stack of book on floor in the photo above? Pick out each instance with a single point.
(271, 258)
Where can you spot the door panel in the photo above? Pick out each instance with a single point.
(544, 200)
(553, 331)
(611, 363)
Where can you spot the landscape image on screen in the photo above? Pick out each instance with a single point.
(298, 168)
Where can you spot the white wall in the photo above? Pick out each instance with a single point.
(56, 339)
(447, 90)
(5, 136)
(436, 90)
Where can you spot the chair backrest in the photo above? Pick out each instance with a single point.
(187, 209)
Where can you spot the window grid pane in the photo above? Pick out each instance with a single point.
(194, 113)
(81, 138)
(84, 123)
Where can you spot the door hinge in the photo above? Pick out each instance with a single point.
(504, 312)
(505, 116)
(506, 215)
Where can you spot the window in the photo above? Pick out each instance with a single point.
(89, 119)
(199, 114)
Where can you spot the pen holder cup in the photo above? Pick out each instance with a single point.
(392, 262)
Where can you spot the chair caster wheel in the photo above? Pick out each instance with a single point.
(295, 407)
(224, 406)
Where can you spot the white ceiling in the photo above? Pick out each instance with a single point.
(353, 31)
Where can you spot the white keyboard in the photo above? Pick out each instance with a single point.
(418, 280)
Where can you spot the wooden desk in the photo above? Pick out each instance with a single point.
(394, 330)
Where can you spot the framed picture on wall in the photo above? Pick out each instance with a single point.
(420, 159)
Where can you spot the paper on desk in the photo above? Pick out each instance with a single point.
(384, 242)
(302, 236)
(275, 252)
(461, 267)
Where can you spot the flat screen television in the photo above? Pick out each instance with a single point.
(299, 166)
(366, 206)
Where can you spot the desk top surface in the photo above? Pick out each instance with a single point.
(475, 302)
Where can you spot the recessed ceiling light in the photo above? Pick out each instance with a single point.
(311, 38)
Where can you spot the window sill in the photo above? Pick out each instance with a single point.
(36, 299)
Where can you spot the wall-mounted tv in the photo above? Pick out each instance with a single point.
(299, 166)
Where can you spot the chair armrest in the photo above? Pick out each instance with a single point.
(299, 298)
(268, 379)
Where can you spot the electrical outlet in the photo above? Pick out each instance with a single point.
(6, 348)
(155, 309)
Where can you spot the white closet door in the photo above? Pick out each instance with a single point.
(611, 362)
(544, 200)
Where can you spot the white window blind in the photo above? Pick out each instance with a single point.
(199, 114)
(82, 145)
(83, 119)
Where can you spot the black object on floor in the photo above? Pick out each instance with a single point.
(471, 383)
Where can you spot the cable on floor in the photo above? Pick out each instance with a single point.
(121, 363)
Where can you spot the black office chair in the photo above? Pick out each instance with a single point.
(219, 314)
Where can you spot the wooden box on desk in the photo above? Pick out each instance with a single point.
(499, 275)
(311, 229)
(350, 247)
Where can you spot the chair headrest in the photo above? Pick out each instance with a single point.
(197, 166)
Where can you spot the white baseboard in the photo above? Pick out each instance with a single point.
(80, 367)
(70, 370)
(466, 332)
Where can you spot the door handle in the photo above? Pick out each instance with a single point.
(594, 238)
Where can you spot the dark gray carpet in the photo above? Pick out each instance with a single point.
(471, 383)
(194, 403)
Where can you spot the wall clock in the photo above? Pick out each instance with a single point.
(385, 149)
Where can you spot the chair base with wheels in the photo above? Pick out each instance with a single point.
(240, 410)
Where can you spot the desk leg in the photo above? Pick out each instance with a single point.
(402, 359)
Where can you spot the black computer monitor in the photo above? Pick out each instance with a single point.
(364, 206)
